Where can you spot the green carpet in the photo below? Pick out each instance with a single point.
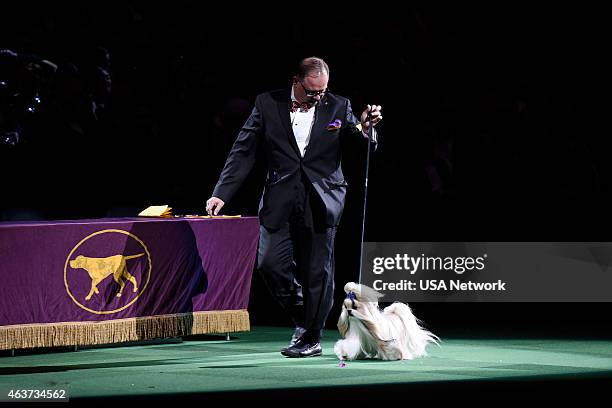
(251, 361)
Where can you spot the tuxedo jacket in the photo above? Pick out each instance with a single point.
(269, 128)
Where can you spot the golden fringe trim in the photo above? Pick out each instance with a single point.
(122, 330)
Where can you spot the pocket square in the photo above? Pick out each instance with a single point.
(335, 125)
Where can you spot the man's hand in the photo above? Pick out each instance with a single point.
(214, 205)
(376, 111)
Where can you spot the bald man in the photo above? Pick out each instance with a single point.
(300, 130)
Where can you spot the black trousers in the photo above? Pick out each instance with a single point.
(296, 261)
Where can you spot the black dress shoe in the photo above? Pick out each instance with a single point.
(304, 347)
(299, 331)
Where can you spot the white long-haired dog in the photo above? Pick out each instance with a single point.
(368, 332)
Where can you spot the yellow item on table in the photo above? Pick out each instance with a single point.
(212, 216)
(156, 211)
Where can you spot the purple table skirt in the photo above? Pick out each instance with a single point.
(118, 268)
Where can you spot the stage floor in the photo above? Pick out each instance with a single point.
(250, 365)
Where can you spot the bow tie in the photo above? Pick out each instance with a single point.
(303, 107)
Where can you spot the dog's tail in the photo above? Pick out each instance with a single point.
(417, 337)
(133, 256)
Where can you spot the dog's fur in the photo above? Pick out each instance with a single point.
(100, 268)
(391, 334)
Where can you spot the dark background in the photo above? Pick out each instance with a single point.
(495, 124)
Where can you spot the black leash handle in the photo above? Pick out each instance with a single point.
(365, 190)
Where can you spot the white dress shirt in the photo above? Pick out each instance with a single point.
(301, 123)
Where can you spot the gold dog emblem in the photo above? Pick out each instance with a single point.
(101, 268)
(134, 267)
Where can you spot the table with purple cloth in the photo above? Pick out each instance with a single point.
(85, 282)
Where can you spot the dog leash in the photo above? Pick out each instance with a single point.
(365, 191)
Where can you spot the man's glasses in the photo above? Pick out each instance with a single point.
(314, 93)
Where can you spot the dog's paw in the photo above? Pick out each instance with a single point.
(340, 352)
(347, 349)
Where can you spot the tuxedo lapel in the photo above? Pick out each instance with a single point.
(322, 118)
(283, 110)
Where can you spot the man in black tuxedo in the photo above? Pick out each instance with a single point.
(301, 130)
